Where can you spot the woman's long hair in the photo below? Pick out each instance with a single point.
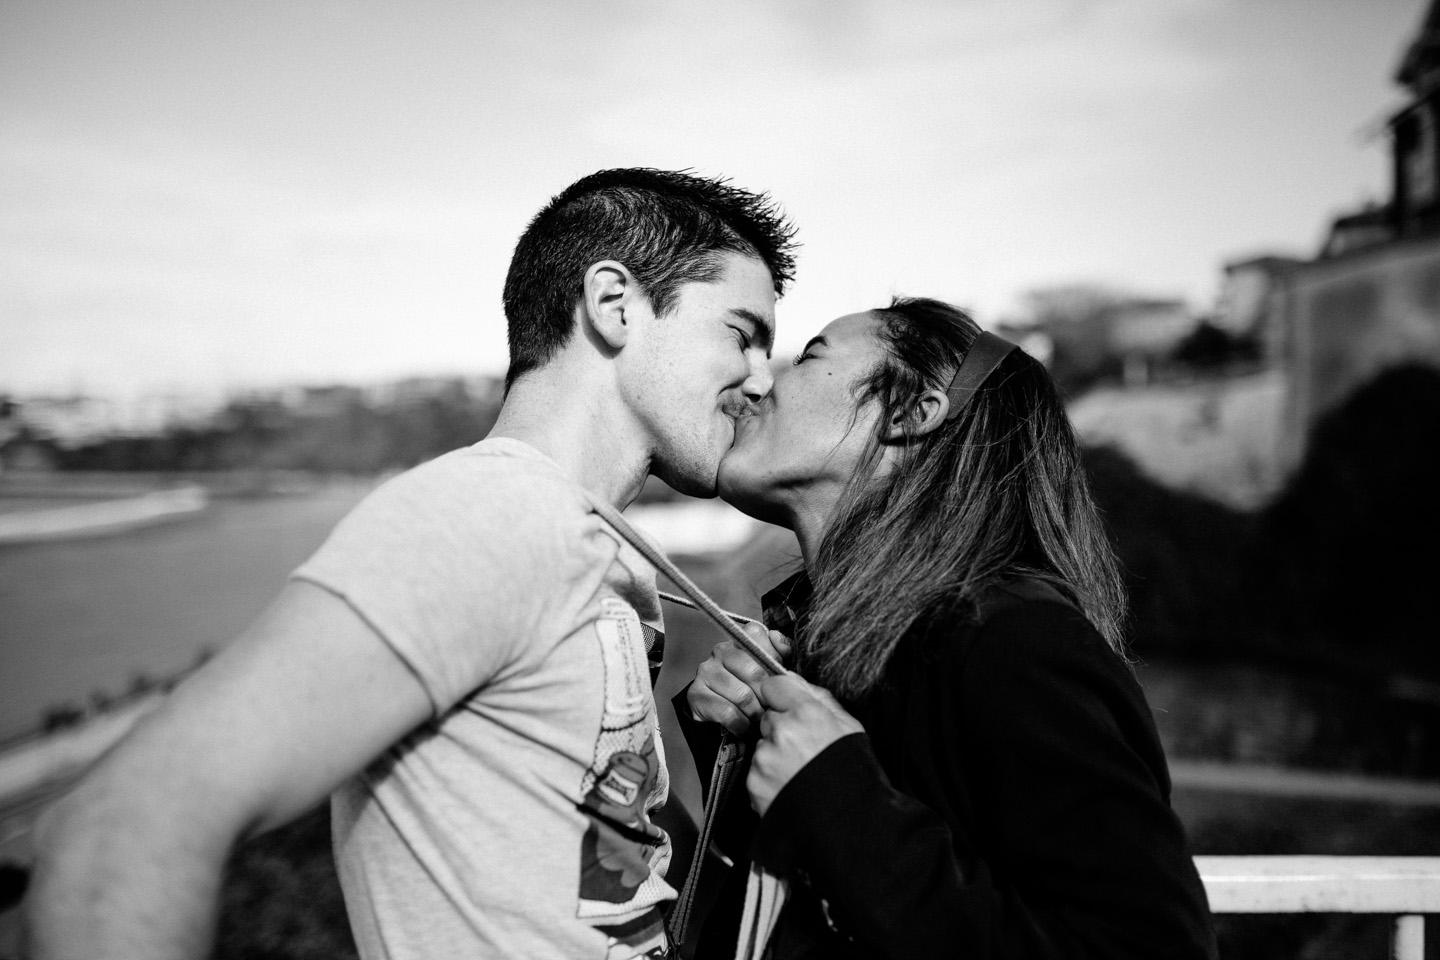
(997, 491)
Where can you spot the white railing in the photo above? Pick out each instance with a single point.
(1404, 887)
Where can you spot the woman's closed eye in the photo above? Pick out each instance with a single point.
(809, 352)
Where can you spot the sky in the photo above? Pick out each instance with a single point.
(210, 197)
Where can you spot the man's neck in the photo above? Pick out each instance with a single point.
(580, 426)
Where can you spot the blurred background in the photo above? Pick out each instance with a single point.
(251, 259)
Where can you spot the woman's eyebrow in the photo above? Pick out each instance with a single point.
(816, 342)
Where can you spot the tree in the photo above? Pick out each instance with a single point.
(1076, 317)
(1346, 560)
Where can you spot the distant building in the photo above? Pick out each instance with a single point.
(67, 421)
(1357, 231)
(322, 403)
(455, 388)
(1368, 300)
(1371, 299)
(1251, 301)
(1089, 335)
(1354, 316)
(1213, 437)
(1415, 207)
(1145, 333)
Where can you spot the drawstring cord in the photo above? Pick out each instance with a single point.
(687, 587)
(765, 893)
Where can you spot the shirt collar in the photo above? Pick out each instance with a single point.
(787, 604)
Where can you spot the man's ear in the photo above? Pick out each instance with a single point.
(922, 415)
(609, 289)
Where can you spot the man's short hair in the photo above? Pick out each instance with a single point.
(667, 227)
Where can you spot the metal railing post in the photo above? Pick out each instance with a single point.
(1405, 888)
(1409, 943)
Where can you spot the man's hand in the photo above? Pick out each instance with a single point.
(725, 685)
(799, 720)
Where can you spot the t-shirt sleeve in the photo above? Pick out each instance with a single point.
(464, 565)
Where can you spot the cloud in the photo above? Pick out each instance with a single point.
(189, 268)
(261, 192)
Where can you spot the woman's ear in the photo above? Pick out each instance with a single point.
(919, 417)
(608, 290)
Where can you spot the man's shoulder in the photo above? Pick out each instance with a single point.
(501, 480)
(496, 460)
(468, 510)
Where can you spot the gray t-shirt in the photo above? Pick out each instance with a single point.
(516, 823)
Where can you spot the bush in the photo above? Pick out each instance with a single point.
(1180, 553)
(282, 899)
(1345, 559)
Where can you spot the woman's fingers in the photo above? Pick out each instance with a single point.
(772, 642)
(724, 689)
(785, 692)
(722, 679)
(827, 699)
(781, 645)
(800, 721)
(718, 696)
(709, 708)
(791, 691)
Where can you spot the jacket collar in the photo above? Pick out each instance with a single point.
(786, 605)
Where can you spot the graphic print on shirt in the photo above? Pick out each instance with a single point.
(623, 855)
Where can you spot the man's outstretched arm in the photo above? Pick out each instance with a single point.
(129, 864)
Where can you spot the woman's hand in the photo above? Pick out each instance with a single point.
(799, 721)
(724, 688)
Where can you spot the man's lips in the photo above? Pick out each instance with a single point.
(739, 417)
(741, 414)
(749, 409)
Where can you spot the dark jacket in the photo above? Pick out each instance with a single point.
(1009, 798)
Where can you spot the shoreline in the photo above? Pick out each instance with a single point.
(102, 517)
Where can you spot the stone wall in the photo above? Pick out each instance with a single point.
(1352, 317)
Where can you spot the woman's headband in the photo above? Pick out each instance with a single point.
(984, 355)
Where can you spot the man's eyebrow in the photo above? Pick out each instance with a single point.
(764, 328)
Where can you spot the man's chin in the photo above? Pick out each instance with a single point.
(698, 475)
(699, 482)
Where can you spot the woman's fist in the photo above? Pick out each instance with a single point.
(724, 690)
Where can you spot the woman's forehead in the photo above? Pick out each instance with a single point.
(851, 328)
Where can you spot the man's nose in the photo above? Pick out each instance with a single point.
(758, 383)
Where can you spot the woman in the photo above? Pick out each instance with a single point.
(986, 780)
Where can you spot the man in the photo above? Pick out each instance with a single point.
(463, 663)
